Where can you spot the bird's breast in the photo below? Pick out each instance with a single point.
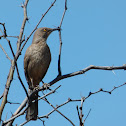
(41, 58)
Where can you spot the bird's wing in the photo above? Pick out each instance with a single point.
(26, 64)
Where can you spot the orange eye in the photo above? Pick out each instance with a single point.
(45, 30)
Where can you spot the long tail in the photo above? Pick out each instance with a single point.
(32, 111)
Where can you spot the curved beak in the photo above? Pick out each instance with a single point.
(54, 29)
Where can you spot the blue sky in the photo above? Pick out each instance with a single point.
(93, 33)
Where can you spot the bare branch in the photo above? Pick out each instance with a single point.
(59, 59)
(11, 72)
(46, 116)
(12, 102)
(1, 96)
(6, 90)
(101, 90)
(21, 80)
(10, 76)
(60, 39)
(80, 120)
(87, 116)
(82, 101)
(12, 36)
(53, 91)
(23, 25)
(58, 111)
(5, 33)
(15, 116)
(24, 123)
(5, 52)
(78, 100)
(80, 114)
(7, 41)
(63, 13)
(23, 104)
(58, 78)
(43, 121)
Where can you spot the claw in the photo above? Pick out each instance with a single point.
(36, 88)
(46, 85)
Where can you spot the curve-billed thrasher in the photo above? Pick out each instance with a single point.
(36, 62)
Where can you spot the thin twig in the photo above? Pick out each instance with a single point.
(12, 102)
(53, 91)
(43, 121)
(21, 80)
(58, 111)
(46, 116)
(63, 14)
(105, 91)
(5, 36)
(5, 33)
(24, 123)
(1, 96)
(78, 115)
(87, 116)
(12, 36)
(81, 111)
(59, 59)
(5, 52)
(60, 39)
(23, 26)
(23, 104)
(15, 116)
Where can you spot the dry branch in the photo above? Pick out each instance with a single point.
(59, 111)
(60, 39)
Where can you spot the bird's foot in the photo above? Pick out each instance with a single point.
(46, 85)
(36, 88)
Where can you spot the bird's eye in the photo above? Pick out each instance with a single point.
(44, 30)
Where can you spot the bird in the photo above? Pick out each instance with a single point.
(36, 63)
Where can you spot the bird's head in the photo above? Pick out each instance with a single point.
(44, 32)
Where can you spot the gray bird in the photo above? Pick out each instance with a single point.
(36, 63)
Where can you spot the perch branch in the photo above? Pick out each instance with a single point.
(10, 121)
(58, 78)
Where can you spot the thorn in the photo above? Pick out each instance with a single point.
(69, 99)
(80, 108)
(100, 89)
(89, 94)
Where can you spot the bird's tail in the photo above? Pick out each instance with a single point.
(32, 111)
